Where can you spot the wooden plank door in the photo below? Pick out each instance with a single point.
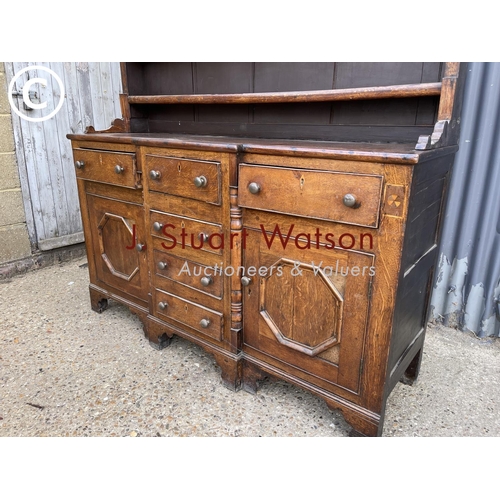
(43, 152)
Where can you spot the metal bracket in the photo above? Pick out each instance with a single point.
(34, 98)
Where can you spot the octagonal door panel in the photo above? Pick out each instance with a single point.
(308, 308)
(116, 229)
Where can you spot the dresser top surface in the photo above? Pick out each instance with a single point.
(378, 152)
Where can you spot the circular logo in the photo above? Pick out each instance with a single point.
(27, 94)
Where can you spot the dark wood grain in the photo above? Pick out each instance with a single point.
(180, 233)
(189, 314)
(351, 324)
(382, 92)
(100, 166)
(399, 153)
(318, 195)
(178, 176)
(115, 229)
(188, 273)
(118, 125)
(125, 109)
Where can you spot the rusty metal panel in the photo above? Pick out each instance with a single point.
(467, 286)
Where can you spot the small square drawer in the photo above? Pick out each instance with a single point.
(181, 232)
(336, 196)
(191, 274)
(197, 317)
(195, 179)
(110, 168)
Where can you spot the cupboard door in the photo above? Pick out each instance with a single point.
(118, 241)
(307, 308)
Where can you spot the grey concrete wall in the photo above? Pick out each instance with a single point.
(14, 241)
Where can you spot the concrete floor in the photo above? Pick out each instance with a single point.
(67, 371)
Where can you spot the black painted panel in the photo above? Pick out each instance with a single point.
(286, 131)
(301, 113)
(223, 78)
(168, 78)
(376, 112)
(362, 74)
(289, 76)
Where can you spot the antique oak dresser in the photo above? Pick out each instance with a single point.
(283, 216)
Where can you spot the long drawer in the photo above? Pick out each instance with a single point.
(336, 196)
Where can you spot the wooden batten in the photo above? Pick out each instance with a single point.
(449, 85)
(125, 108)
(390, 91)
(446, 128)
(123, 71)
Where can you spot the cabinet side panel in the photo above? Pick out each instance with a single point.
(428, 185)
(419, 256)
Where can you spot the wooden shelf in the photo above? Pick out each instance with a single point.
(363, 93)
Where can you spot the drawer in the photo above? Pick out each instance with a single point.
(181, 232)
(195, 179)
(317, 194)
(188, 273)
(197, 317)
(107, 167)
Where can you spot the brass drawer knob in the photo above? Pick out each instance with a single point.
(200, 181)
(79, 164)
(349, 200)
(162, 266)
(162, 305)
(245, 281)
(206, 280)
(119, 169)
(254, 188)
(205, 323)
(157, 226)
(140, 247)
(154, 175)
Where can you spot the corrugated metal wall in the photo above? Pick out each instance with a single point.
(467, 288)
